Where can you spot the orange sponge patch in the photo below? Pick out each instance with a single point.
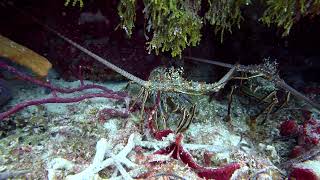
(24, 57)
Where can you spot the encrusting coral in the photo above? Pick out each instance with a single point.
(24, 56)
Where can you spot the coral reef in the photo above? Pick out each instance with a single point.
(67, 146)
(103, 148)
(171, 129)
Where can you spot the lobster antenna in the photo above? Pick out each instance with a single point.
(83, 49)
(100, 59)
(277, 80)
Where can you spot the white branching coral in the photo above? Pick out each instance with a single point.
(103, 148)
(104, 158)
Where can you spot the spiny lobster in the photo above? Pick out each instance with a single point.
(172, 81)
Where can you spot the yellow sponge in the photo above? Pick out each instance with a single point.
(24, 56)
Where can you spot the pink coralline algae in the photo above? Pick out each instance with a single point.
(177, 151)
(308, 170)
(308, 138)
(289, 127)
(311, 131)
(307, 134)
(300, 173)
(297, 151)
(108, 113)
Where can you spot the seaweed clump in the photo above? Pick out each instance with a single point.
(173, 25)
(127, 13)
(224, 14)
(284, 13)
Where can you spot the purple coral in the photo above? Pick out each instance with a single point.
(106, 93)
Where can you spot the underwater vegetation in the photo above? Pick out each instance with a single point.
(172, 25)
(285, 13)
